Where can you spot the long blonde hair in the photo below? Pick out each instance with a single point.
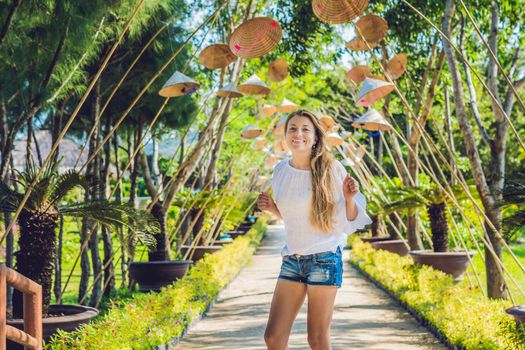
(323, 205)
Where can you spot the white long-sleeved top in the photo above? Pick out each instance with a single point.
(292, 189)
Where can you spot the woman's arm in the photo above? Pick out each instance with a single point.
(266, 202)
(351, 209)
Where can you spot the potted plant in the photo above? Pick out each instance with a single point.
(431, 197)
(37, 222)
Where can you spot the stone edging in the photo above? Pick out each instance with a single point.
(421, 319)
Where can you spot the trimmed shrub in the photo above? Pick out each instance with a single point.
(462, 315)
(154, 319)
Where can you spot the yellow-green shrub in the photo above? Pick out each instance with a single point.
(463, 315)
(154, 319)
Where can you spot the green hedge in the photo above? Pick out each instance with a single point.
(150, 320)
(461, 315)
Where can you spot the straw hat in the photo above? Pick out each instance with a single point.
(358, 73)
(279, 127)
(372, 121)
(254, 86)
(270, 161)
(268, 110)
(259, 143)
(279, 145)
(372, 28)
(229, 90)
(372, 90)
(334, 139)
(286, 106)
(278, 70)
(261, 180)
(216, 56)
(397, 66)
(337, 11)
(178, 85)
(358, 44)
(251, 132)
(327, 122)
(255, 37)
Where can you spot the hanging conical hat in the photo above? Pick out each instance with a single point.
(261, 180)
(327, 122)
(372, 121)
(255, 37)
(372, 28)
(372, 90)
(358, 44)
(334, 139)
(338, 11)
(251, 132)
(348, 162)
(354, 153)
(279, 127)
(278, 70)
(259, 143)
(229, 90)
(254, 86)
(335, 128)
(216, 56)
(178, 85)
(270, 161)
(358, 73)
(286, 106)
(268, 110)
(397, 66)
(346, 134)
(280, 146)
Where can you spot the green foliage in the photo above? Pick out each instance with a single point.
(150, 320)
(463, 315)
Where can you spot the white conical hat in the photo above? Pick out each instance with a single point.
(229, 90)
(334, 139)
(397, 66)
(280, 146)
(251, 132)
(254, 86)
(372, 90)
(354, 153)
(358, 73)
(259, 143)
(327, 122)
(271, 161)
(359, 44)
(268, 110)
(178, 85)
(348, 162)
(372, 121)
(261, 180)
(279, 127)
(286, 106)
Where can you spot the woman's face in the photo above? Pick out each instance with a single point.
(300, 135)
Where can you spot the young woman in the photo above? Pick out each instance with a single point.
(320, 204)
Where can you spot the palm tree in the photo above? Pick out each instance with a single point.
(514, 201)
(40, 216)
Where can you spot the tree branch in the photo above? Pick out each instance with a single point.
(9, 20)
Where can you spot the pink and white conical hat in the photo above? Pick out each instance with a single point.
(372, 90)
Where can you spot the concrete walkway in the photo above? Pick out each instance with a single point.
(364, 316)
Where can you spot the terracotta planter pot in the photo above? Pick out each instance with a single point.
(375, 239)
(199, 251)
(452, 263)
(72, 316)
(153, 275)
(397, 246)
(518, 312)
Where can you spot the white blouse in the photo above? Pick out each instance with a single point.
(292, 188)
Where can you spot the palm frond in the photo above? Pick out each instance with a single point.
(9, 199)
(65, 183)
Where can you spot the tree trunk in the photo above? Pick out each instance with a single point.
(36, 254)
(58, 261)
(439, 226)
(161, 252)
(394, 221)
(109, 275)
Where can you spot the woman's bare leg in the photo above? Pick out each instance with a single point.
(320, 309)
(288, 298)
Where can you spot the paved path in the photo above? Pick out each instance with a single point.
(364, 316)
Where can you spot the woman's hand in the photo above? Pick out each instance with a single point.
(266, 202)
(350, 188)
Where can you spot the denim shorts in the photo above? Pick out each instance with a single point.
(321, 269)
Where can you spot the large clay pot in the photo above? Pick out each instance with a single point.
(518, 312)
(69, 318)
(153, 275)
(375, 239)
(397, 246)
(200, 250)
(452, 263)
(244, 227)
